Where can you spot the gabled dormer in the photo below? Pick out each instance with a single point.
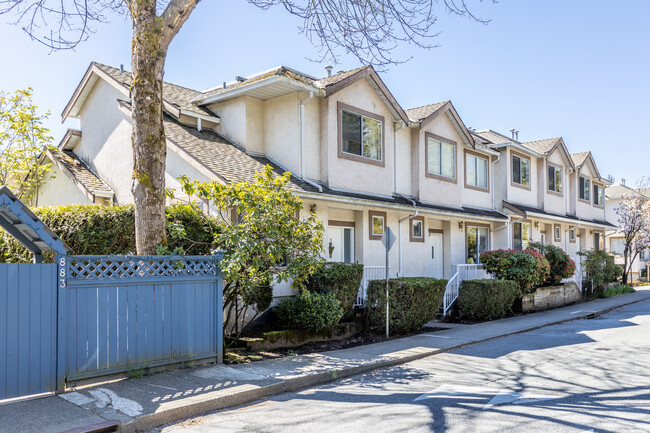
(589, 201)
(553, 169)
(447, 166)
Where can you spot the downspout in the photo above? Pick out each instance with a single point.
(302, 134)
(395, 177)
(399, 234)
(303, 144)
(493, 191)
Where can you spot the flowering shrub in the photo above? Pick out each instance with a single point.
(561, 264)
(529, 269)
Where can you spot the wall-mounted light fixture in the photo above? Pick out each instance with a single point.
(460, 226)
(536, 224)
(313, 208)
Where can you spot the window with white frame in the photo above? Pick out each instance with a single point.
(555, 179)
(520, 170)
(521, 232)
(572, 235)
(441, 158)
(477, 243)
(416, 226)
(599, 195)
(361, 135)
(476, 171)
(585, 188)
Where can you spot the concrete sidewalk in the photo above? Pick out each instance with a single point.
(142, 404)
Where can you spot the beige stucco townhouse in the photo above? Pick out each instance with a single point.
(357, 158)
(615, 244)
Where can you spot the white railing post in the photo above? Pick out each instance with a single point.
(463, 272)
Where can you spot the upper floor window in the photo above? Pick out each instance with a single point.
(441, 158)
(417, 229)
(476, 170)
(521, 170)
(555, 179)
(361, 135)
(599, 195)
(585, 187)
(618, 246)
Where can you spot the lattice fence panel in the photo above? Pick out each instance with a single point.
(100, 268)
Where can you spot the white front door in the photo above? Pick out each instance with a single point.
(340, 245)
(436, 254)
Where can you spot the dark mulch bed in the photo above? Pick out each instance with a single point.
(238, 356)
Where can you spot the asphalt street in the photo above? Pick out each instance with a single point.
(580, 376)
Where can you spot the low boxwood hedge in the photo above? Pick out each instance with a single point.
(309, 311)
(342, 279)
(414, 301)
(482, 300)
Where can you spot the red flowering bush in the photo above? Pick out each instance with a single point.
(561, 264)
(529, 269)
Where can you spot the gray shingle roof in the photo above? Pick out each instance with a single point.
(579, 158)
(176, 95)
(336, 78)
(619, 191)
(487, 136)
(81, 172)
(221, 156)
(418, 113)
(541, 146)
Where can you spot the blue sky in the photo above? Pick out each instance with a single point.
(550, 68)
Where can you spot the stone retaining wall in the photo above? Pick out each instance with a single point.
(551, 296)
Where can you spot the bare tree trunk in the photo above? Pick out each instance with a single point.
(148, 139)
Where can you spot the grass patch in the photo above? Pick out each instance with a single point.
(614, 291)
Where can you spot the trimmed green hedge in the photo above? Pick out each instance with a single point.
(309, 311)
(482, 300)
(103, 230)
(342, 279)
(528, 268)
(414, 301)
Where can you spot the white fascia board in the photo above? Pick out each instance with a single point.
(196, 115)
(245, 88)
(565, 219)
(396, 207)
(519, 148)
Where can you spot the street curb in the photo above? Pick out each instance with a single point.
(206, 405)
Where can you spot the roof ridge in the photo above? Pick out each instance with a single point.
(427, 105)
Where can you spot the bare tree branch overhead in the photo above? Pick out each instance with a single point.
(367, 29)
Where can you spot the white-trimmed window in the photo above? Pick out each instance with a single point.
(555, 179)
(520, 170)
(476, 171)
(361, 135)
(521, 232)
(585, 188)
(572, 235)
(441, 158)
(599, 195)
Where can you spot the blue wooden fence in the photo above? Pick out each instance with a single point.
(27, 329)
(88, 316)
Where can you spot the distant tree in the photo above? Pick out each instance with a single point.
(634, 221)
(368, 30)
(23, 138)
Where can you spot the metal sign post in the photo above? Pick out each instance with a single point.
(388, 240)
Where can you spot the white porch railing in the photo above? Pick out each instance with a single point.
(463, 272)
(370, 273)
(577, 277)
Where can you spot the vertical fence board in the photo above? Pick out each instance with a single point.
(81, 337)
(132, 327)
(71, 325)
(112, 319)
(4, 307)
(92, 329)
(167, 320)
(12, 326)
(24, 280)
(158, 321)
(34, 353)
(176, 322)
(150, 323)
(122, 326)
(102, 328)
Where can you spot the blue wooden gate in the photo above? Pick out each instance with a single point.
(28, 301)
(124, 312)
